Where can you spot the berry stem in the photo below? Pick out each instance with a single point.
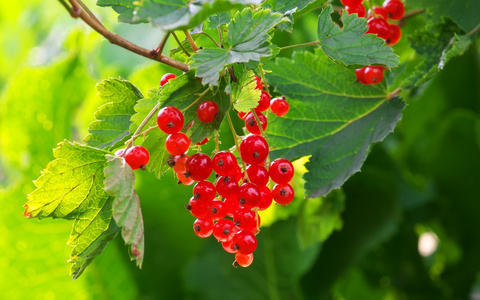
(217, 142)
(196, 100)
(211, 38)
(300, 45)
(118, 40)
(394, 93)
(160, 47)
(262, 76)
(237, 146)
(191, 41)
(220, 36)
(180, 44)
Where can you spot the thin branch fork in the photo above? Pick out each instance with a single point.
(76, 11)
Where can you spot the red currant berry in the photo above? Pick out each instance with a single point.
(251, 123)
(203, 227)
(184, 180)
(258, 82)
(216, 210)
(378, 26)
(177, 143)
(238, 174)
(360, 73)
(170, 119)
(351, 2)
(356, 9)
(258, 175)
(197, 208)
(178, 163)
(279, 106)
(380, 12)
(207, 111)
(137, 157)
(228, 246)
(245, 218)
(198, 166)
(243, 260)
(245, 242)
(226, 186)
(283, 193)
(166, 78)
(248, 195)
(203, 142)
(254, 149)
(204, 191)
(231, 205)
(242, 115)
(281, 170)
(373, 75)
(394, 34)
(224, 230)
(266, 198)
(263, 103)
(395, 9)
(224, 163)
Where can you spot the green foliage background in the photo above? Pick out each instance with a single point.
(424, 177)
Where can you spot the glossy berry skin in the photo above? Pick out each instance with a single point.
(351, 2)
(224, 163)
(394, 34)
(203, 227)
(245, 242)
(178, 163)
(137, 157)
(228, 246)
(207, 111)
(226, 186)
(251, 123)
(373, 75)
(266, 198)
(283, 193)
(281, 170)
(242, 115)
(170, 119)
(231, 205)
(263, 103)
(244, 218)
(258, 175)
(395, 9)
(202, 142)
(224, 230)
(197, 208)
(177, 143)
(216, 210)
(378, 26)
(356, 9)
(254, 149)
(166, 78)
(198, 166)
(279, 106)
(184, 180)
(204, 191)
(360, 73)
(243, 260)
(259, 83)
(380, 12)
(248, 195)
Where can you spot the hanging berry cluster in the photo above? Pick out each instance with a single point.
(232, 215)
(378, 24)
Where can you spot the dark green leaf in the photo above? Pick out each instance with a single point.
(248, 39)
(464, 13)
(332, 117)
(111, 129)
(349, 45)
(219, 19)
(245, 96)
(125, 10)
(289, 9)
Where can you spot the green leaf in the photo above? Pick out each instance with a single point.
(289, 9)
(120, 183)
(71, 187)
(248, 39)
(111, 129)
(349, 45)
(219, 19)
(181, 14)
(332, 117)
(245, 96)
(125, 10)
(464, 13)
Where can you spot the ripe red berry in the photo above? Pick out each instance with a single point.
(358, 9)
(197, 208)
(373, 75)
(224, 163)
(258, 82)
(204, 191)
(242, 115)
(198, 166)
(202, 142)
(224, 230)
(203, 227)
(258, 175)
(216, 210)
(251, 122)
(380, 12)
(243, 260)
(184, 180)
(279, 106)
(245, 218)
(263, 103)
(228, 246)
(226, 186)
(170, 119)
(137, 157)
(395, 9)
(254, 149)
(283, 193)
(265, 198)
(360, 73)
(394, 34)
(178, 163)
(281, 170)
(177, 143)
(207, 111)
(248, 195)
(245, 242)
(166, 78)
(351, 2)
(378, 26)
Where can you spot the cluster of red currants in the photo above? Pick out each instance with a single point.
(377, 23)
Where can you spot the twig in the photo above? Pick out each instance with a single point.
(75, 9)
(394, 93)
(160, 47)
(191, 41)
(90, 13)
(210, 37)
(474, 29)
(180, 44)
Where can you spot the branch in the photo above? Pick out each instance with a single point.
(119, 41)
(191, 41)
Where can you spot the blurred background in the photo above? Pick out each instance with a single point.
(406, 227)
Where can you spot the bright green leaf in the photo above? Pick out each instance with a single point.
(245, 96)
(349, 45)
(120, 183)
(332, 117)
(111, 129)
(124, 8)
